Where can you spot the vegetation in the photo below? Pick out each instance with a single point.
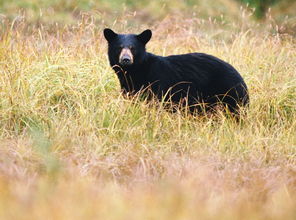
(261, 6)
(73, 148)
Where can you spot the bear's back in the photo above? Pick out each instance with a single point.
(197, 76)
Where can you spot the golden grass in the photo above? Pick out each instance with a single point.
(73, 148)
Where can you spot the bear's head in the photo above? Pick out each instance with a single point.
(126, 50)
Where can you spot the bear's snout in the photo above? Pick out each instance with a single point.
(126, 57)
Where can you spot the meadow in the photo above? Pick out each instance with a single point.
(73, 148)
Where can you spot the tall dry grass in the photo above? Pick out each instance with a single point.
(73, 148)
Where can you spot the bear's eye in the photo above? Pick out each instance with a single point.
(131, 48)
(119, 48)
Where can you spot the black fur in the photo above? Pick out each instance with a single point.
(193, 79)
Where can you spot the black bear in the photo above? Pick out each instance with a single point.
(196, 80)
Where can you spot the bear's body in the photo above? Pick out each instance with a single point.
(194, 79)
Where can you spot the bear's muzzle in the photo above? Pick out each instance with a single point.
(126, 57)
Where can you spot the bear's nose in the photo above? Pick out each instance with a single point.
(125, 60)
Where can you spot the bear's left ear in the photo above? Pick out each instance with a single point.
(109, 34)
(145, 36)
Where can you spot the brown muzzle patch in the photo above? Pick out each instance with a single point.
(126, 57)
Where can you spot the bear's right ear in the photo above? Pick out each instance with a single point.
(109, 34)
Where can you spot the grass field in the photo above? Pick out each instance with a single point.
(73, 148)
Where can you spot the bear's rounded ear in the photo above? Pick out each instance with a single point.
(145, 36)
(109, 34)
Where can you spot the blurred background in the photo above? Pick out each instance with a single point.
(64, 12)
